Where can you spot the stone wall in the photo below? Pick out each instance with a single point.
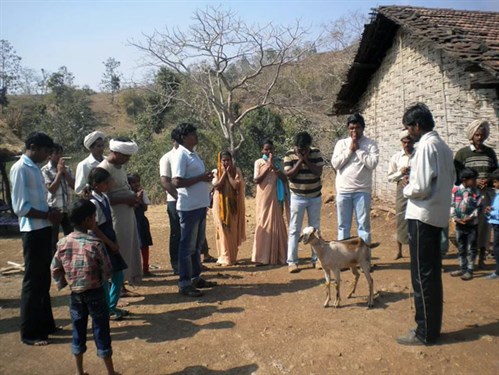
(415, 71)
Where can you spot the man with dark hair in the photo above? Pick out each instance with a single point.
(59, 181)
(192, 181)
(303, 167)
(165, 172)
(29, 202)
(429, 199)
(354, 159)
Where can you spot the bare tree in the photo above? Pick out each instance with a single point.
(226, 59)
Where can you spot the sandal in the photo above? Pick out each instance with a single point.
(202, 283)
(209, 259)
(36, 342)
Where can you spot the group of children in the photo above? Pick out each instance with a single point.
(465, 208)
(89, 261)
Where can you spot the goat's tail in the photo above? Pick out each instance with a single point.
(374, 244)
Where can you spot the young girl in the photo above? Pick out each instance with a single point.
(142, 222)
(99, 180)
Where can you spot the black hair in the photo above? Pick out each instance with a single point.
(184, 129)
(98, 175)
(420, 114)
(38, 139)
(494, 175)
(81, 210)
(174, 134)
(468, 173)
(303, 140)
(57, 148)
(133, 176)
(356, 118)
(225, 153)
(266, 141)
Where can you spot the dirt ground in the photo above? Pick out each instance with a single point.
(266, 321)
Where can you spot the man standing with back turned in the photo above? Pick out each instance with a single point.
(429, 199)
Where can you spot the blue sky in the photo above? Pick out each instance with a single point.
(82, 34)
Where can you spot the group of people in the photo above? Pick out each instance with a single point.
(105, 230)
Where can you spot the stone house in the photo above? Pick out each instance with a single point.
(448, 59)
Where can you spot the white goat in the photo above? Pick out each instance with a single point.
(336, 255)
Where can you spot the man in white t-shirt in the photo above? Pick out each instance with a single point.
(192, 181)
(165, 172)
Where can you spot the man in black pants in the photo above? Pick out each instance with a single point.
(29, 202)
(429, 199)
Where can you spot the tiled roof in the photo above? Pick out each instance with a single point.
(469, 36)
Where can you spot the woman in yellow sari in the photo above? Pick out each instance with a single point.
(228, 209)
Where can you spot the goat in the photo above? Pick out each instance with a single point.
(336, 255)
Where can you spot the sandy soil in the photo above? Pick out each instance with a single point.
(266, 321)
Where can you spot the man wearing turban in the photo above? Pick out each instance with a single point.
(482, 159)
(123, 201)
(95, 143)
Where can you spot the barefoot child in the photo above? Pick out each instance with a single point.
(142, 222)
(82, 263)
(99, 180)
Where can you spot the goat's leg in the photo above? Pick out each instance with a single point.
(356, 275)
(365, 266)
(336, 302)
(327, 284)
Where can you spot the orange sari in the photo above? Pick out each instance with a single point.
(230, 221)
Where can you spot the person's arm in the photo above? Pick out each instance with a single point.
(261, 171)
(459, 164)
(53, 185)
(103, 260)
(341, 154)
(69, 178)
(291, 169)
(236, 180)
(167, 184)
(422, 175)
(179, 182)
(370, 157)
(57, 272)
(394, 174)
(130, 200)
(314, 167)
(80, 179)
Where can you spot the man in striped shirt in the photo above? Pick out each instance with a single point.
(303, 167)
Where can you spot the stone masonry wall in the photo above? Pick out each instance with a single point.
(414, 71)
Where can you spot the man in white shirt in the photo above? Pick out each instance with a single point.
(95, 142)
(165, 172)
(429, 199)
(193, 189)
(354, 159)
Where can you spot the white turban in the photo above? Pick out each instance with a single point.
(92, 137)
(474, 126)
(125, 148)
(404, 134)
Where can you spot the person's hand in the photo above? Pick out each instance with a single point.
(354, 146)
(54, 216)
(86, 192)
(487, 209)
(61, 167)
(405, 180)
(481, 183)
(114, 247)
(459, 221)
(405, 170)
(207, 177)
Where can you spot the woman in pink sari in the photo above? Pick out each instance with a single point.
(228, 209)
(271, 236)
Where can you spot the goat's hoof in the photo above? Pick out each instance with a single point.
(370, 306)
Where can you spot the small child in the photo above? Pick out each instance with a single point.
(99, 180)
(466, 204)
(142, 222)
(82, 259)
(493, 216)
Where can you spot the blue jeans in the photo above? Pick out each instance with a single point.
(298, 206)
(90, 302)
(192, 236)
(346, 203)
(174, 233)
(466, 238)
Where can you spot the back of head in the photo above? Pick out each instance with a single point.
(303, 140)
(98, 175)
(81, 210)
(38, 139)
(356, 118)
(57, 148)
(184, 129)
(468, 173)
(494, 175)
(420, 114)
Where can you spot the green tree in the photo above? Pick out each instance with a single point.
(9, 70)
(111, 78)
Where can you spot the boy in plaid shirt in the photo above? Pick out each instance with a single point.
(82, 263)
(466, 204)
